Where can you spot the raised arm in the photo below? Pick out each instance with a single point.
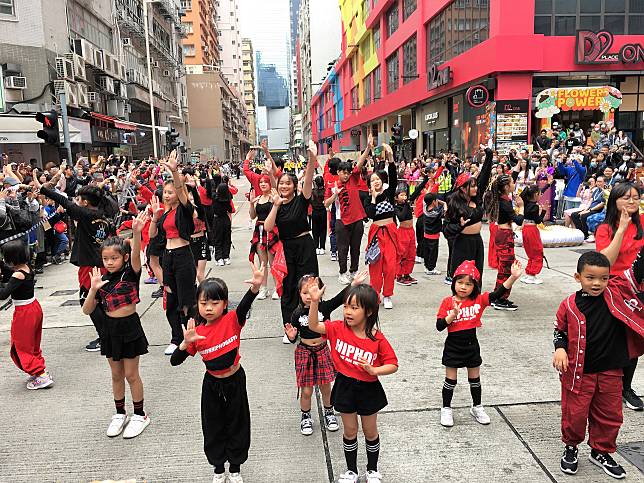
(612, 250)
(307, 182)
(365, 154)
(157, 212)
(486, 171)
(179, 183)
(316, 295)
(137, 227)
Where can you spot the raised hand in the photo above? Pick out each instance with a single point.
(96, 279)
(190, 333)
(171, 162)
(360, 278)
(251, 154)
(258, 277)
(276, 198)
(312, 148)
(315, 291)
(370, 141)
(517, 269)
(454, 312)
(155, 206)
(624, 220)
(290, 331)
(139, 222)
(264, 145)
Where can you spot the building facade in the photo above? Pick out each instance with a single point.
(231, 43)
(459, 73)
(248, 65)
(273, 111)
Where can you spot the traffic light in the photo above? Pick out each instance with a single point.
(171, 140)
(49, 132)
(396, 134)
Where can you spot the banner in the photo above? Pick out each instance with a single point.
(555, 100)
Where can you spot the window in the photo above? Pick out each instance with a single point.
(393, 75)
(6, 7)
(409, 6)
(354, 99)
(186, 4)
(366, 8)
(392, 19)
(366, 86)
(188, 26)
(189, 50)
(456, 29)
(376, 83)
(376, 39)
(410, 66)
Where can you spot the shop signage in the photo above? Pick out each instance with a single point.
(512, 106)
(355, 132)
(477, 96)
(438, 77)
(106, 135)
(594, 48)
(511, 125)
(552, 101)
(431, 117)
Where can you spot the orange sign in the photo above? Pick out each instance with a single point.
(552, 101)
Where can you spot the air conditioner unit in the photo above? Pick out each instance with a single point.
(86, 50)
(79, 65)
(65, 68)
(127, 42)
(83, 100)
(15, 82)
(106, 83)
(116, 108)
(132, 75)
(166, 73)
(69, 89)
(99, 60)
(93, 97)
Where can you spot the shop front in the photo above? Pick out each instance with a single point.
(432, 120)
(111, 136)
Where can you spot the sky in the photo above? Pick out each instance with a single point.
(267, 24)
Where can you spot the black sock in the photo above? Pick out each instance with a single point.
(220, 469)
(328, 409)
(351, 453)
(448, 392)
(306, 414)
(475, 389)
(234, 468)
(138, 408)
(120, 406)
(373, 450)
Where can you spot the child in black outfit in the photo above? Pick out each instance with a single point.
(433, 213)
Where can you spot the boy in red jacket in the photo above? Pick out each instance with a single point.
(598, 330)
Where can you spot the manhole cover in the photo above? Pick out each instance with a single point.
(70, 303)
(634, 453)
(581, 251)
(60, 293)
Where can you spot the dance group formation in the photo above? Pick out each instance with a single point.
(179, 216)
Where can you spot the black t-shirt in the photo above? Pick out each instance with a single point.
(18, 289)
(300, 316)
(571, 142)
(606, 347)
(292, 218)
(262, 210)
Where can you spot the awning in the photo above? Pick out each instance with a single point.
(118, 123)
(102, 117)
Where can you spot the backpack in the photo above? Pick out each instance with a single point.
(20, 217)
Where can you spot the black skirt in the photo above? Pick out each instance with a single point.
(122, 337)
(462, 349)
(350, 395)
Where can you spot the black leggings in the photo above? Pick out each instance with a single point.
(223, 233)
(300, 260)
(467, 247)
(318, 226)
(179, 274)
(629, 372)
(210, 224)
(420, 236)
(349, 237)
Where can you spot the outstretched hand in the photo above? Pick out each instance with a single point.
(312, 148)
(517, 269)
(96, 280)
(258, 277)
(290, 331)
(139, 222)
(155, 206)
(315, 292)
(171, 162)
(359, 278)
(190, 333)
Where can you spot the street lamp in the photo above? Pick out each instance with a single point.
(149, 65)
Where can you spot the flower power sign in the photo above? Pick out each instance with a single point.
(552, 101)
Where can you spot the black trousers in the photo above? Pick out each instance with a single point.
(420, 236)
(318, 226)
(223, 234)
(629, 372)
(179, 275)
(468, 247)
(431, 253)
(450, 254)
(580, 222)
(300, 260)
(225, 419)
(349, 237)
(210, 224)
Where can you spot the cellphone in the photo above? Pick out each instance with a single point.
(377, 151)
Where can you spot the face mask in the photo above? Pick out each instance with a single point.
(626, 158)
(592, 165)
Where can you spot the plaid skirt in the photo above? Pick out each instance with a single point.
(313, 365)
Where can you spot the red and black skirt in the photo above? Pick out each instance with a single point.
(313, 365)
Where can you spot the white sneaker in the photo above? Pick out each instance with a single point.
(306, 426)
(388, 303)
(334, 257)
(536, 281)
(116, 425)
(235, 478)
(317, 251)
(590, 239)
(220, 263)
(447, 418)
(348, 477)
(321, 251)
(527, 279)
(221, 478)
(227, 261)
(170, 349)
(344, 279)
(136, 426)
(262, 293)
(432, 272)
(352, 275)
(275, 295)
(418, 260)
(373, 477)
(285, 340)
(480, 415)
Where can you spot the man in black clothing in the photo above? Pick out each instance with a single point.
(542, 142)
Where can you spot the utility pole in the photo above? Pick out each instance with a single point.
(146, 21)
(63, 108)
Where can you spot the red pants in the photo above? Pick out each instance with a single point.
(533, 248)
(85, 278)
(406, 250)
(26, 332)
(600, 403)
(504, 240)
(492, 260)
(383, 272)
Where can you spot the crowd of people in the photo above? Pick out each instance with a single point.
(116, 218)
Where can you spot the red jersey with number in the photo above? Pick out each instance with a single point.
(221, 337)
(469, 315)
(347, 349)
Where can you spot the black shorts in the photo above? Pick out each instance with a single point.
(462, 350)
(352, 396)
(156, 247)
(199, 248)
(122, 337)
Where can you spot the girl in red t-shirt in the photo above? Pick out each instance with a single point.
(461, 314)
(360, 353)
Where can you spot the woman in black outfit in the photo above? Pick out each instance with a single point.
(318, 215)
(289, 214)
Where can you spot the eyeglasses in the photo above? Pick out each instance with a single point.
(635, 199)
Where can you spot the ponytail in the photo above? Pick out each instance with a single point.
(495, 194)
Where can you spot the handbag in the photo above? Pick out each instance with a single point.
(373, 251)
(60, 227)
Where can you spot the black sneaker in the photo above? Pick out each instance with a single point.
(93, 346)
(569, 461)
(632, 401)
(607, 463)
(39, 270)
(157, 294)
(505, 305)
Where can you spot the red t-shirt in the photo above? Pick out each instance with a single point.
(627, 252)
(203, 196)
(469, 315)
(347, 348)
(351, 208)
(170, 225)
(221, 337)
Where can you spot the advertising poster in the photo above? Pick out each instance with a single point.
(511, 125)
(479, 126)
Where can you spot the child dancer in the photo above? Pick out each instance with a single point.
(598, 330)
(406, 236)
(26, 325)
(360, 353)
(461, 314)
(313, 365)
(533, 215)
(225, 415)
(111, 301)
(433, 213)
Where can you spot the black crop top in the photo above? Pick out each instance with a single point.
(507, 214)
(300, 316)
(292, 218)
(533, 212)
(122, 289)
(262, 210)
(383, 208)
(403, 211)
(18, 289)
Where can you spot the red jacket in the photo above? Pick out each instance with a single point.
(622, 303)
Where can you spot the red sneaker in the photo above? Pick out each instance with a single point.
(401, 280)
(411, 279)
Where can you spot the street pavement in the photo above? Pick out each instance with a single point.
(58, 434)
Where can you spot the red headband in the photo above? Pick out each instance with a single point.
(462, 179)
(468, 267)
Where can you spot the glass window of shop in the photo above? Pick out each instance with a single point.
(377, 83)
(458, 28)
(393, 73)
(630, 116)
(565, 17)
